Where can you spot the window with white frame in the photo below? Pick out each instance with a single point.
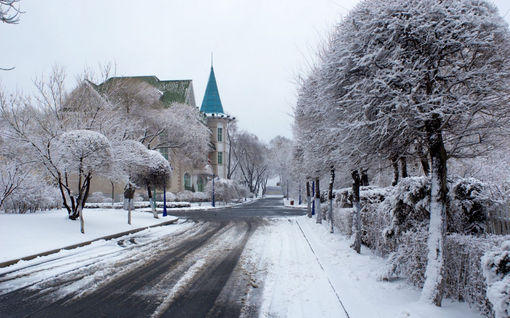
(220, 134)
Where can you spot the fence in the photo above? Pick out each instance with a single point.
(498, 222)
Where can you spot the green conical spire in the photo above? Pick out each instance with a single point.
(211, 102)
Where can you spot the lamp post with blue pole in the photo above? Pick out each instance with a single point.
(213, 201)
(164, 199)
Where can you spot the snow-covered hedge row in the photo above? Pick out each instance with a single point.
(496, 270)
(190, 196)
(137, 205)
(395, 225)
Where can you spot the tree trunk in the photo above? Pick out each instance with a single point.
(425, 165)
(82, 222)
(113, 193)
(330, 197)
(313, 200)
(394, 163)
(318, 201)
(129, 211)
(403, 166)
(308, 200)
(152, 202)
(433, 287)
(357, 211)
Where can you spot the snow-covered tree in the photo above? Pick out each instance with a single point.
(79, 154)
(280, 161)
(143, 167)
(398, 74)
(251, 153)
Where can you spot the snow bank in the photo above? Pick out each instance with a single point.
(27, 234)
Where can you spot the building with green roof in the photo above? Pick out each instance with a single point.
(172, 91)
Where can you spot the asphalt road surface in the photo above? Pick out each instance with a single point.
(193, 272)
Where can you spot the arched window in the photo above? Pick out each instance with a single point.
(187, 181)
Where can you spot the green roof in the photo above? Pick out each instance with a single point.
(211, 102)
(173, 91)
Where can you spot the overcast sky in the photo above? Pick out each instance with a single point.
(259, 46)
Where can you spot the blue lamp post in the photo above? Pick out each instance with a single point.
(213, 201)
(164, 199)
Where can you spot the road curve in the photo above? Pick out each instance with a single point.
(191, 273)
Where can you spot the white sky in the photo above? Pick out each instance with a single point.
(259, 46)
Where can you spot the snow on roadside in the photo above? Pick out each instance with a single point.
(23, 235)
(297, 286)
(27, 234)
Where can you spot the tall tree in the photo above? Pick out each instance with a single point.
(437, 71)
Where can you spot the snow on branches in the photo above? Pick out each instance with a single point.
(405, 78)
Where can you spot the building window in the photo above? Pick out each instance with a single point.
(220, 134)
(200, 184)
(220, 157)
(187, 181)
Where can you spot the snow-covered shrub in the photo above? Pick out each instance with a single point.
(200, 197)
(32, 197)
(463, 276)
(370, 197)
(242, 190)
(99, 197)
(224, 190)
(407, 203)
(496, 270)
(184, 196)
(170, 196)
(409, 256)
(472, 202)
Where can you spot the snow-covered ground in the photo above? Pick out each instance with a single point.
(28, 234)
(309, 272)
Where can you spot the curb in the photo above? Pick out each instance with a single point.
(70, 247)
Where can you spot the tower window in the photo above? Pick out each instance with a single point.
(220, 134)
(220, 157)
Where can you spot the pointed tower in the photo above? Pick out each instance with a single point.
(217, 121)
(211, 104)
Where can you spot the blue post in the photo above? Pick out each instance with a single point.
(313, 197)
(164, 200)
(213, 202)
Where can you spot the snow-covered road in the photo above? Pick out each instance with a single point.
(258, 260)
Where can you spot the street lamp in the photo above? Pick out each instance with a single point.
(213, 201)
(164, 199)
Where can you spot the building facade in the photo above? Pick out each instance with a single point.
(185, 176)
